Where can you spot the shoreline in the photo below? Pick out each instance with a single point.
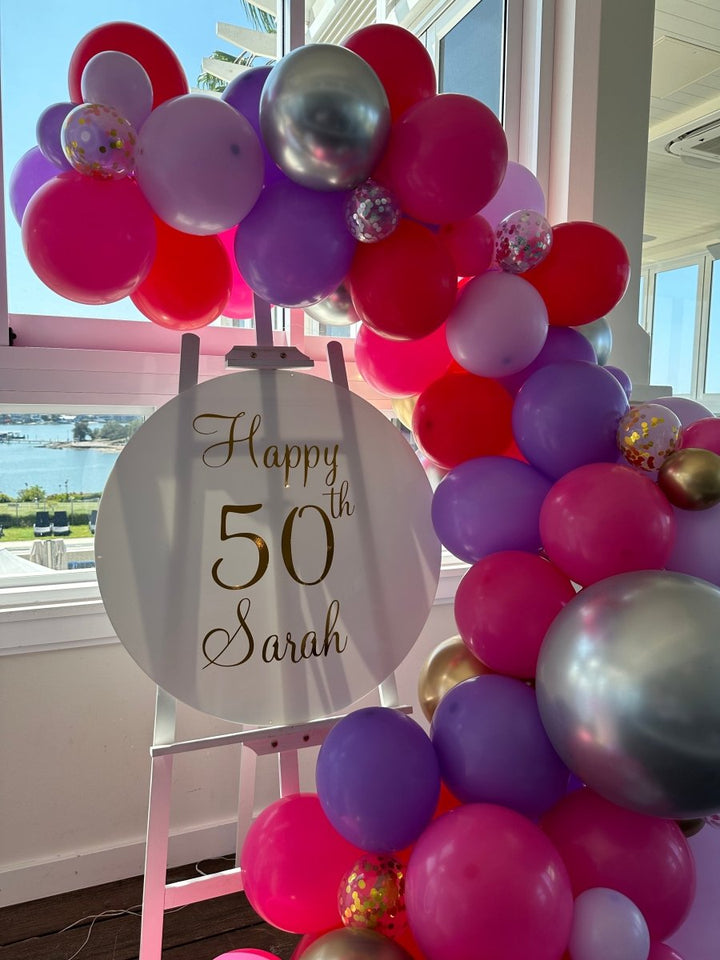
(103, 446)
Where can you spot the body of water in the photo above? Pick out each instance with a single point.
(24, 463)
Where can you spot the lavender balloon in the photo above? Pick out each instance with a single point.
(688, 411)
(520, 190)
(492, 746)
(118, 81)
(48, 132)
(562, 343)
(489, 504)
(294, 248)
(566, 415)
(243, 93)
(30, 172)
(607, 925)
(524, 240)
(695, 551)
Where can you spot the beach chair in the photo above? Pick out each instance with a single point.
(92, 522)
(42, 527)
(60, 525)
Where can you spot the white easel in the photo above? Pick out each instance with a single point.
(283, 741)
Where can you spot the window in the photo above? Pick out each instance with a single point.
(712, 362)
(471, 55)
(673, 328)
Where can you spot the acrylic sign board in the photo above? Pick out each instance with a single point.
(264, 547)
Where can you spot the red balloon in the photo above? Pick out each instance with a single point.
(92, 241)
(403, 287)
(446, 158)
(584, 276)
(645, 858)
(471, 244)
(403, 65)
(460, 417)
(704, 434)
(189, 281)
(401, 368)
(161, 65)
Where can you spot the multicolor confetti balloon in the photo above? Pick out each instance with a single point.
(98, 142)
(372, 212)
(372, 896)
(523, 240)
(647, 434)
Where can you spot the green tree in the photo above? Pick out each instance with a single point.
(260, 20)
(31, 492)
(113, 430)
(81, 431)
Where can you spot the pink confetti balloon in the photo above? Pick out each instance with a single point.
(647, 435)
(98, 142)
(524, 239)
(372, 896)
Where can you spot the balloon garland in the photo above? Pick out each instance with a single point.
(575, 716)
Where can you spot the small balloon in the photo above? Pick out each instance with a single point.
(118, 81)
(690, 479)
(520, 190)
(703, 433)
(471, 243)
(372, 896)
(607, 925)
(524, 239)
(350, 944)
(31, 172)
(622, 378)
(48, 133)
(372, 212)
(98, 142)
(449, 664)
(647, 435)
(337, 310)
(599, 334)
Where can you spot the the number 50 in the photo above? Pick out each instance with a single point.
(263, 553)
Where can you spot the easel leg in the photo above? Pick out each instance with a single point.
(156, 853)
(246, 797)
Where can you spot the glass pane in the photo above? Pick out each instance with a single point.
(471, 55)
(712, 367)
(641, 303)
(673, 328)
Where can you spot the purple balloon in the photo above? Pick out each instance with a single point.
(566, 415)
(622, 378)
(29, 174)
(520, 190)
(687, 411)
(696, 551)
(562, 343)
(489, 504)
(377, 779)
(48, 133)
(492, 746)
(607, 925)
(699, 935)
(294, 248)
(243, 93)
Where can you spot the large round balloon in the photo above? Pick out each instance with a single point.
(31, 172)
(585, 274)
(158, 59)
(703, 433)
(489, 504)
(91, 241)
(446, 158)
(404, 287)
(240, 301)
(688, 411)
(627, 686)
(602, 519)
(243, 93)
(646, 858)
(484, 883)
(471, 243)
(401, 62)
(118, 81)
(401, 368)
(47, 133)
(294, 248)
(199, 164)
(324, 117)
(519, 190)
(567, 414)
(561, 343)
(695, 549)
(696, 938)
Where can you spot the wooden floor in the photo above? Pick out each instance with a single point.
(40, 930)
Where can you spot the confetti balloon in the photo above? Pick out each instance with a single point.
(98, 142)
(372, 896)
(523, 240)
(372, 212)
(647, 435)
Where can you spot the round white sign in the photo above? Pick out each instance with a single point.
(264, 547)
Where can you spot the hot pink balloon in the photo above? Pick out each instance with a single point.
(663, 951)
(240, 303)
(704, 434)
(401, 368)
(247, 954)
(602, 519)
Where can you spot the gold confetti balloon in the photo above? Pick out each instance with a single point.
(449, 664)
(98, 142)
(372, 896)
(690, 479)
(647, 435)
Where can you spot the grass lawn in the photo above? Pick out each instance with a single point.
(26, 533)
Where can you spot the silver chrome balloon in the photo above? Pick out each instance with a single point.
(628, 686)
(600, 336)
(324, 116)
(337, 310)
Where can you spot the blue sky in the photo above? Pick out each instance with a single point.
(38, 39)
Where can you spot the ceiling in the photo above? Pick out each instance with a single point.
(682, 206)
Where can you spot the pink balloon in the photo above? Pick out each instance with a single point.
(91, 241)
(498, 325)
(484, 883)
(698, 937)
(240, 303)
(247, 954)
(293, 860)
(519, 190)
(646, 858)
(446, 158)
(401, 368)
(688, 411)
(704, 434)
(471, 243)
(603, 518)
(663, 951)
(504, 606)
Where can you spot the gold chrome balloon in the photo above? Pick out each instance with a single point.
(690, 479)
(448, 664)
(354, 944)
(403, 409)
